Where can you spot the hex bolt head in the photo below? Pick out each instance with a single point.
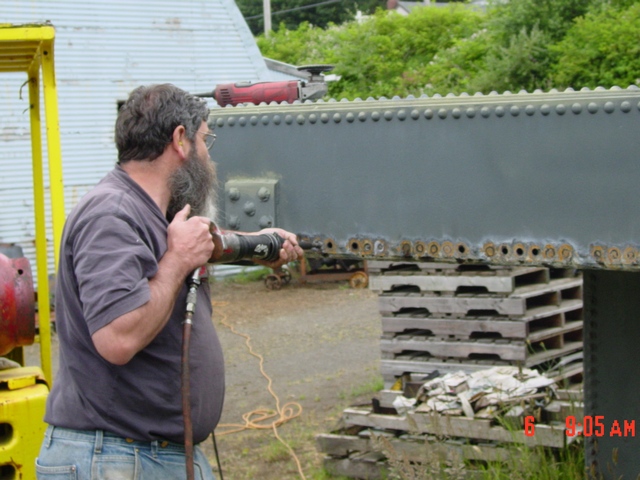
(265, 221)
(234, 194)
(234, 222)
(249, 209)
(264, 194)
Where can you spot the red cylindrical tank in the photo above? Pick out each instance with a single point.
(17, 306)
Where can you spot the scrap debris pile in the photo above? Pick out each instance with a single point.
(482, 394)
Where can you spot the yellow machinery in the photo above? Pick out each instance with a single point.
(23, 390)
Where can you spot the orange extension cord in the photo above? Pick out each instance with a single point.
(256, 419)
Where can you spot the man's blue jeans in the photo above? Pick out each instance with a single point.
(87, 455)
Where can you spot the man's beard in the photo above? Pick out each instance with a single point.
(193, 184)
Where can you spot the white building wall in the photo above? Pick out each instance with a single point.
(103, 50)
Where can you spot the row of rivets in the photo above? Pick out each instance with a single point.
(378, 247)
(506, 253)
(614, 255)
(528, 252)
(429, 113)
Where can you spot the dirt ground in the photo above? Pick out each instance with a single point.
(320, 343)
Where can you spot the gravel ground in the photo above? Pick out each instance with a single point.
(320, 344)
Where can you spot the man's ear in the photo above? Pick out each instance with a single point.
(179, 141)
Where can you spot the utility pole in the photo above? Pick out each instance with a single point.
(266, 6)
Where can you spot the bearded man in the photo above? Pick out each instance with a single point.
(115, 407)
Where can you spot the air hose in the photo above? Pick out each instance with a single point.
(192, 296)
(229, 247)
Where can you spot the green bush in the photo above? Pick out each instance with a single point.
(601, 49)
(305, 45)
(455, 69)
(387, 55)
(384, 55)
(515, 45)
(508, 19)
(522, 64)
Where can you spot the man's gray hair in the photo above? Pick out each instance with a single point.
(148, 118)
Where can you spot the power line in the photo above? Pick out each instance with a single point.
(304, 7)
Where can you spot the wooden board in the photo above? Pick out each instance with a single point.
(500, 282)
(416, 448)
(568, 339)
(454, 426)
(388, 304)
(460, 327)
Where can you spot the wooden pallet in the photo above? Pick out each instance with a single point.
(525, 301)
(546, 435)
(500, 282)
(416, 448)
(360, 450)
(364, 455)
(564, 340)
(381, 267)
(535, 323)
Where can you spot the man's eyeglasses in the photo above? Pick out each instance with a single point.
(209, 139)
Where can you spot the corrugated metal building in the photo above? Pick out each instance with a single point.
(103, 50)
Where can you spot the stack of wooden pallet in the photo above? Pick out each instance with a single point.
(444, 317)
(439, 318)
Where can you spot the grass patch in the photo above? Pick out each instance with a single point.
(522, 463)
(373, 385)
(539, 464)
(275, 451)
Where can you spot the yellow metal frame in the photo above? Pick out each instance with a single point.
(29, 49)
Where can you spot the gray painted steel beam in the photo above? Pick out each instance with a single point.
(540, 179)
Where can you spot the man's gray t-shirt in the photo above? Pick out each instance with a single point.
(111, 246)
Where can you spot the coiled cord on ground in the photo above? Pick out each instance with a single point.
(261, 419)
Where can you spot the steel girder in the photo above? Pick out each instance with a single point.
(540, 178)
(531, 178)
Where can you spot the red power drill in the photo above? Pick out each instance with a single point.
(285, 91)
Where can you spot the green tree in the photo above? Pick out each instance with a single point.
(385, 55)
(303, 46)
(455, 49)
(523, 64)
(292, 13)
(456, 69)
(508, 20)
(521, 31)
(601, 49)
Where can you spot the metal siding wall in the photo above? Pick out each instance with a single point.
(103, 51)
